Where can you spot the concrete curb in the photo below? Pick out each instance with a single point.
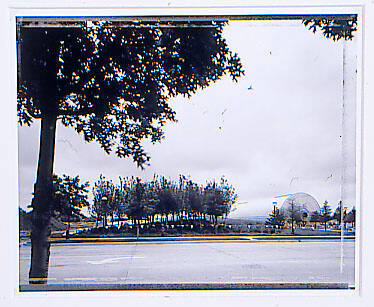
(187, 286)
(148, 239)
(186, 239)
(191, 239)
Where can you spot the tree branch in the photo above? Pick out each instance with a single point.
(82, 111)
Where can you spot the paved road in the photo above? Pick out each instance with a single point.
(197, 262)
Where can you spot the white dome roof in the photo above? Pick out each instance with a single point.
(302, 202)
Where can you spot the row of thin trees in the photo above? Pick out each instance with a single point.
(294, 215)
(161, 200)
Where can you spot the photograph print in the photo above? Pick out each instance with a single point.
(188, 152)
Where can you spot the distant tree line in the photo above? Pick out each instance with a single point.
(161, 200)
(167, 202)
(294, 215)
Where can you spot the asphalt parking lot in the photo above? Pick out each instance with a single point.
(241, 261)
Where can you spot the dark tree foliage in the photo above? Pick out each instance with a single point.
(111, 83)
(276, 218)
(24, 220)
(315, 217)
(333, 27)
(337, 214)
(142, 201)
(70, 195)
(218, 199)
(193, 197)
(351, 216)
(105, 199)
(325, 213)
(139, 199)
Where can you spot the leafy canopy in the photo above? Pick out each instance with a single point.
(69, 195)
(138, 199)
(111, 81)
(332, 27)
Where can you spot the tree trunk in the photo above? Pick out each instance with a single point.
(215, 224)
(293, 230)
(43, 203)
(67, 236)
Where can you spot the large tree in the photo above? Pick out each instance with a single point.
(110, 82)
(217, 199)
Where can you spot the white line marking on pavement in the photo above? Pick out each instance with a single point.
(107, 279)
(96, 279)
(132, 278)
(80, 279)
(113, 260)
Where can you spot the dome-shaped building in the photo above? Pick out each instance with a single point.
(302, 204)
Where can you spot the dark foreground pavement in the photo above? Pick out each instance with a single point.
(188, 286)
(186, 265)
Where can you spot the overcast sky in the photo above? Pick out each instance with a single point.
(278, 130)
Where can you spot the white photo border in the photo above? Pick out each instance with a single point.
(171, 8)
